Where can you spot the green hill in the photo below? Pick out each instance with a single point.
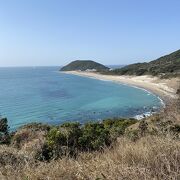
(83, 65)
(165, 66)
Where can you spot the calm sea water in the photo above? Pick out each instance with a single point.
(46, 95)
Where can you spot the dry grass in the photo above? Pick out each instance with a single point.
(150, 157)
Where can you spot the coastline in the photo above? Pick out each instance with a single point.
(165, 89)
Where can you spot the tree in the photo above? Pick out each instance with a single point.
(4, 131)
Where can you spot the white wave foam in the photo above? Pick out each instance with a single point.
(144, 115)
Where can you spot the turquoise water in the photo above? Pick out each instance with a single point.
(46, 95)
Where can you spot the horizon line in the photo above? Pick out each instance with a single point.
(19, 66)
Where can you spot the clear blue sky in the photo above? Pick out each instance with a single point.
(54, 32)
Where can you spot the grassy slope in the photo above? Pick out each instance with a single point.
(148, 158)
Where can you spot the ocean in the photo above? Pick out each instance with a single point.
(43, 94)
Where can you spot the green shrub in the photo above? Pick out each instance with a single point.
(70, 138)
(72, 132)
(94, 136)
(4, 131)
(4, 125)
(117, 126)
(62, 140)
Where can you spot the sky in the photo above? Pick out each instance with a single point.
(55, 32)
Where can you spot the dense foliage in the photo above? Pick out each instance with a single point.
(166, 66)
(71, 138)
(4, 133)
(84, 65)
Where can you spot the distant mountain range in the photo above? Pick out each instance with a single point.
(84, 65)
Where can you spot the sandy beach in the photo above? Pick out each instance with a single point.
(164, 88)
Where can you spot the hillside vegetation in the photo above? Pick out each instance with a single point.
(111, 149)
(166, 66)
(83, 65)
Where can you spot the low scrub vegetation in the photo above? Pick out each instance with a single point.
(72, 138)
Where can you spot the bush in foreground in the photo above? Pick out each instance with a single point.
(72, 138)
(4, 131)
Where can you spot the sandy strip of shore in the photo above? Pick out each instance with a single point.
(164, 88)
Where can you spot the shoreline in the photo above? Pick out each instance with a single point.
(164, 89)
